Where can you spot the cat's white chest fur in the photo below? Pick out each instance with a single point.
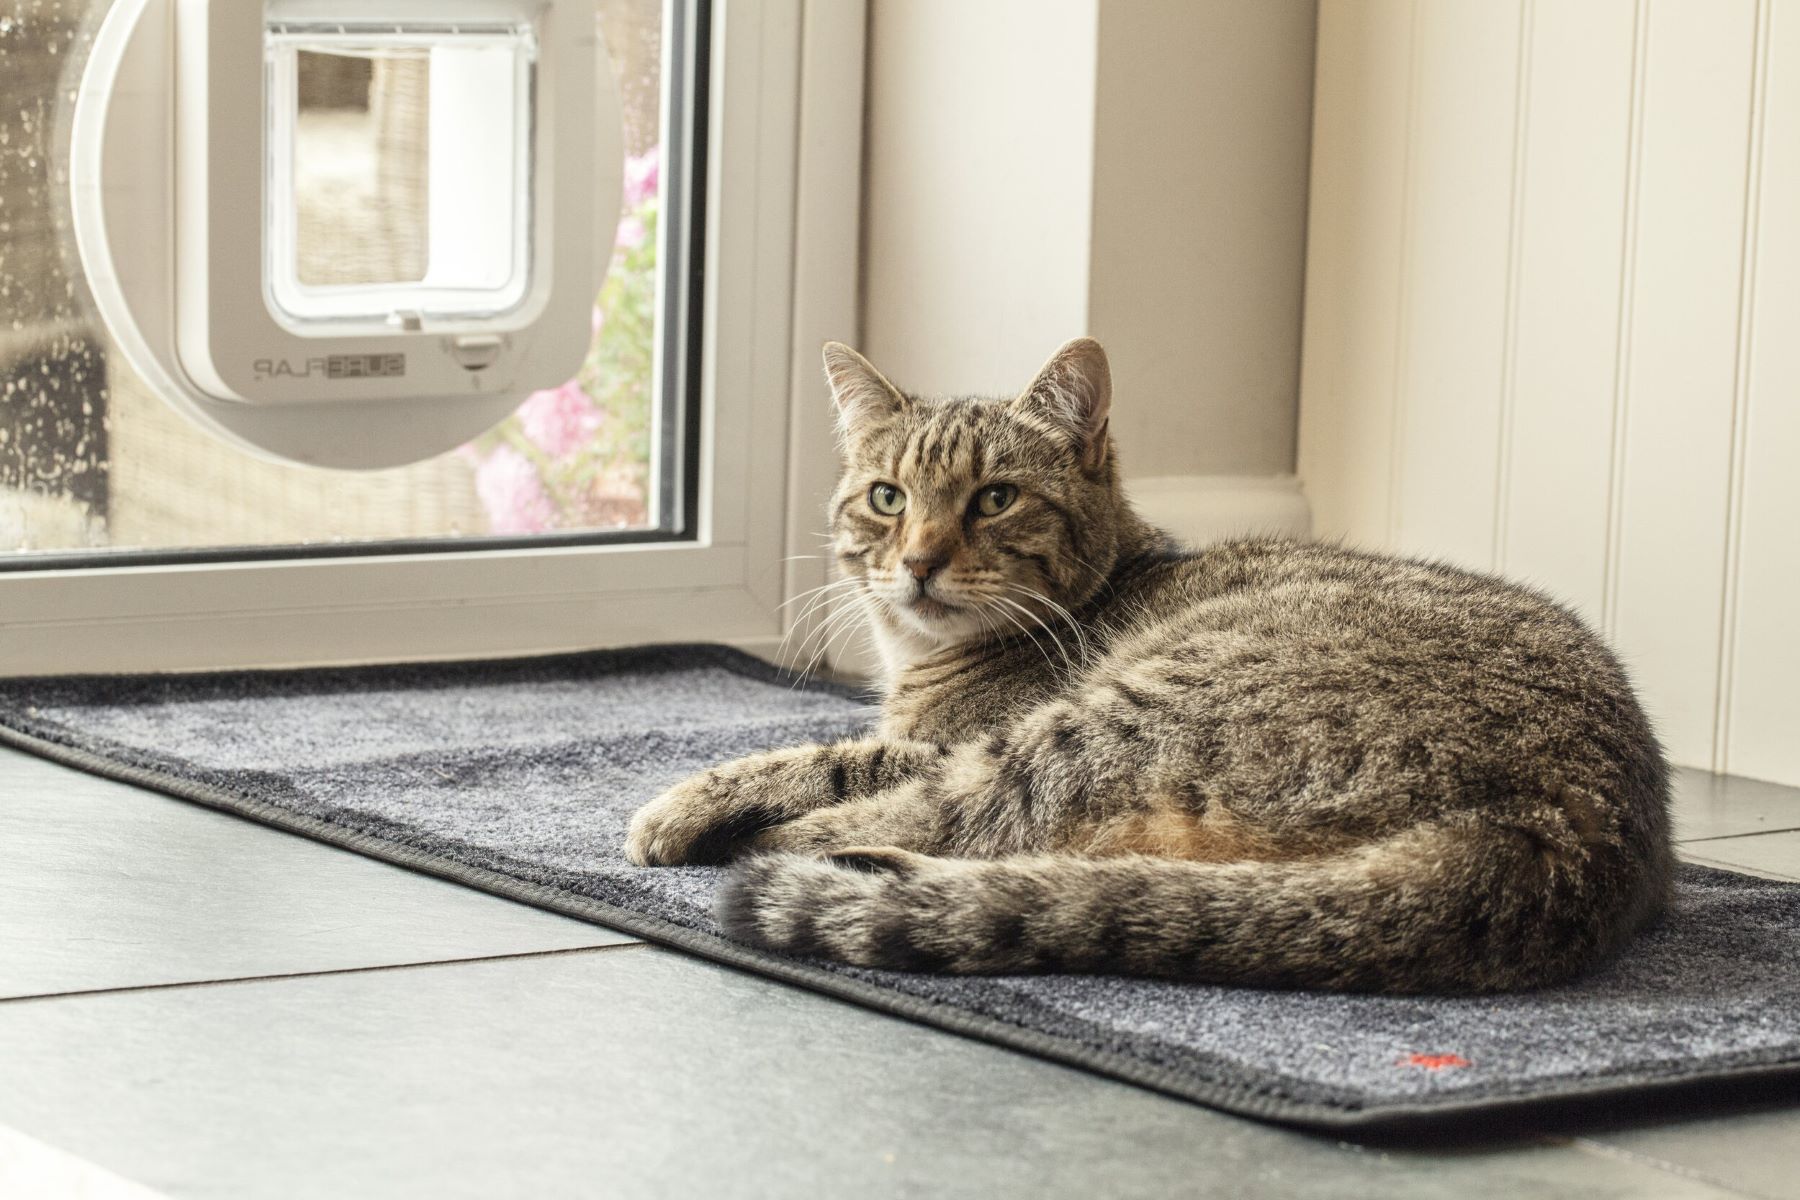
(899, 647)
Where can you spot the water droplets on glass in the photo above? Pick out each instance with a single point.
(89, 460)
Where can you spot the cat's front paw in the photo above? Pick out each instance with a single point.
(704, 820)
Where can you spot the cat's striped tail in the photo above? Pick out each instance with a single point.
(1464, 908)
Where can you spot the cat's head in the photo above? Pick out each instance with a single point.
(963, 517)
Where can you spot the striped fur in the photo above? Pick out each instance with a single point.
(1267, 762)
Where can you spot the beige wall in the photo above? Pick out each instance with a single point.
(1552, 296)
(977, 194)
(1200, 161)
(1135, 169)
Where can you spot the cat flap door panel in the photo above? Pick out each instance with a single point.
(352, 233)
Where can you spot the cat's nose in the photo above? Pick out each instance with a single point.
(923, 566)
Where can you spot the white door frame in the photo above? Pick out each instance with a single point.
(784, 172)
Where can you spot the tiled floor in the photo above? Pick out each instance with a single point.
(192, 1005)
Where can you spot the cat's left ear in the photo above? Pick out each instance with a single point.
(862, 394)
(1074, 393)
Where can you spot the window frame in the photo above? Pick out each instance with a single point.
(783, 172)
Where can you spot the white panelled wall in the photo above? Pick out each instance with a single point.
(1552, 326)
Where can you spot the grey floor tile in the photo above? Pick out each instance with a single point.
(636, 1072)
(105, 885)
(1773, 854)
(1757, 1153)
(1710, 806)
(31, 1170)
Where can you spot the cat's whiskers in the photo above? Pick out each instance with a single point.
(823, 587)
(837, 609)
(821, 632)
(1024, 629)
(990, 629)
(832, 627)
(1074, 625)
(1033, 619)
(1105, 579)
(846, 630)
(825, 593)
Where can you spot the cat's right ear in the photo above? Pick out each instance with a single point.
(862, 394)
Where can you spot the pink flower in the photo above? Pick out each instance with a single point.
(631, 233)
(560, 420)
(512, 493)
(643, 176)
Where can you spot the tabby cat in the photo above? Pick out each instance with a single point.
(1267, 762)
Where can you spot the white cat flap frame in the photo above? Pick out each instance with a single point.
(183, 206)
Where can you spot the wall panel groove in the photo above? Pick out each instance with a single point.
(1688, 277)
(1515, 241)
(1403, 307)
(1458, 257)
(1758, 735)
(1354, 248)
(1563, 220)
(1740, 416)
(1621, 407)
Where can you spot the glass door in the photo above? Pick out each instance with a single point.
(382, 144)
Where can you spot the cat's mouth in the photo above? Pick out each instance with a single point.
(931, 607)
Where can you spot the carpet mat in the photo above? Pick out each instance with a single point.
(518, 777)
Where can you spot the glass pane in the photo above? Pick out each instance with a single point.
(91, 462)
(359, 191)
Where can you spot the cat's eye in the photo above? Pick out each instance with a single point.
(887, 499)
(995, 499)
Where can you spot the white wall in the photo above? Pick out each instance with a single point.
(1552, 305)
(1134, 169)
(978, 188)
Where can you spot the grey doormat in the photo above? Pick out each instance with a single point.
(518, 777)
